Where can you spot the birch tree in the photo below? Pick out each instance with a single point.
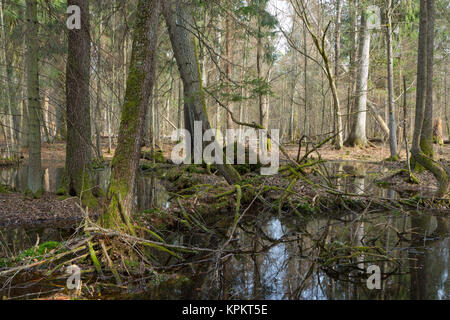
(357, 135)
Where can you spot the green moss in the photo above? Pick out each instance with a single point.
(34, 195)
(243, 168)
(98, 164)
(393, 159)
(158, 157)
(383, 184)
(3, 189)
(35, 253)
(306, 208)
(7, 162)
(438, 140)
(61, 191)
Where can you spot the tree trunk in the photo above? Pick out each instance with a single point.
(78, 149)
(426, 135)
(98, 112)
(178, 17)
(337, 45)
(358, 133)
(12, 109)
(392, 122)
(424, 95)
(141, 78)
(339, 141)
(353, 61)
(34, 138)
(180, 105)
(305, 82)
(263, 116)
(378, 118)
(229, 57)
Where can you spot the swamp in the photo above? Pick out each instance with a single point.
(224, 150)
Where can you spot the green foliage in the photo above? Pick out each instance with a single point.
(3, 189)
(32, 253)
(306, 208)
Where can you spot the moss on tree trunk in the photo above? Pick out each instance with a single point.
(141, 77)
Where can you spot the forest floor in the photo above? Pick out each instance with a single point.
(203, 203)
(16, 208)
(378, 152)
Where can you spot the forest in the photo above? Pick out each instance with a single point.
(224, 149)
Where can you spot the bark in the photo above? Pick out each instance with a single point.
(34, 139)
(98, 112)
(378, 118)
(293, 86)
(353, 58)
(305, 82)
(392, 112)
(358, 133)
(229, 67)
(78, 148)
(14, 115)
(426, 135)
(424, 95)
(180, 105)
(337, 44)
(179, 20)
(263, 112)
(141, 78)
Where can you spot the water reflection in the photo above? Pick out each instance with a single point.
(429, 258)
(355, 177)
(326, 259)
(16, 239)
(150, 191)
(316, 258)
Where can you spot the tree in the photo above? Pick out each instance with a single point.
(357, 135)
(420, 149)
(78, 148)
(34, 108)
(262, 97)
(229, 64)
(179, 21)
(392, 122)
(319, 43)
(141, 79)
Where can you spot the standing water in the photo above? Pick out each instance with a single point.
(322, 257)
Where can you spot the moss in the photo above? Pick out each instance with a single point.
(61, 191)
(36, 253)
(438, 140)
(353, 141)
(98, 164)
(8, 162)
(34, 195)
(89, 200)
(434, 167)
(383, 184)
(393, 159)
(426, 145)
(306, 208)
(158, 157)
(243, 168)
(3, 189)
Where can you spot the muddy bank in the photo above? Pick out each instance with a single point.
(16, 208)
(168, 189)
